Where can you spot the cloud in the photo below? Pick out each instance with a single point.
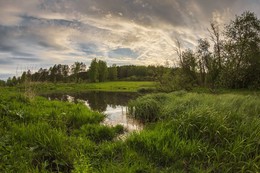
(5, 61)
(45, 32)
(122, 52)
(5, 76)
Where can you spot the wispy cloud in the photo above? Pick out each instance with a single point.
(45, 32)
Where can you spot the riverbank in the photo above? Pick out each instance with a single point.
(118, 86)
(192, 132)
(184, 132)
(38, 135)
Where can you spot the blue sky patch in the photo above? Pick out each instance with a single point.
(122, 52)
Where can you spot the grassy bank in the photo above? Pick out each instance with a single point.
(38, 135)
(199, 132)
(185, 132)
(119, 86)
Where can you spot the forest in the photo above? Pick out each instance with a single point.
(77, 73)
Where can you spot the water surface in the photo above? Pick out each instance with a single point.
(112, 104)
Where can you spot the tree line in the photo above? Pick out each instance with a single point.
(229, 58)
(98, 71)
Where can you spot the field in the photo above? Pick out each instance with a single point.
(119, 86)
(184, 132)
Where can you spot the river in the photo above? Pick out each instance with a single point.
(112, 104)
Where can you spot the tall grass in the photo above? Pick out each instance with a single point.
(38, 135)
(147, 108)
(184, 132)
(200, 132)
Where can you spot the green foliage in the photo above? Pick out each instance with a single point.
(97, 72)
(99, 133)
(184, 132)
(201, 133)
(112, 73)
(102, 71)
(233, 63)
(47, 146)
(76, 68)
(36, 135)
(94, 71)
(119, 86)
(2, 83)
(166, 80)
(82, 164)
(243, 51)
(146, 108)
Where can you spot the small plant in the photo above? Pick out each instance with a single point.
(99, 133)
(82, 164)
(29, 93)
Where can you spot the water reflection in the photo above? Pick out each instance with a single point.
(118, 115)
(112, 104)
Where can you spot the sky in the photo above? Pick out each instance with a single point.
(40, 33)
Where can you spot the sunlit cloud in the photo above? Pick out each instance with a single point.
(41, 33)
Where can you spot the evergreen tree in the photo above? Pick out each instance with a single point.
(23, 77)
(14, 81)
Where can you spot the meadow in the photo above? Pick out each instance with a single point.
(184, 132)
(116, 86)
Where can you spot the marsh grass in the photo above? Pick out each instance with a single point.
(184, 132)
(201, 132)
(37, 135)
(99, 133)
(147, 108)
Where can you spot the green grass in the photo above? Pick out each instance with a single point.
(206, 90)
(47, 136)
(184, 132)
(200, 132)
(119, 86)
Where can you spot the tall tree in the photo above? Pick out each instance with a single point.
(188, 66)
(23, 77)
(102, 70)
(218, 43)
(76, 68)
(65, 70)
(14, 81)
(242, 48)
(29, 76)
(94, 71)
(2, 83)
(9, 82)
(204, 59)
(53, 72)
(112, 73)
